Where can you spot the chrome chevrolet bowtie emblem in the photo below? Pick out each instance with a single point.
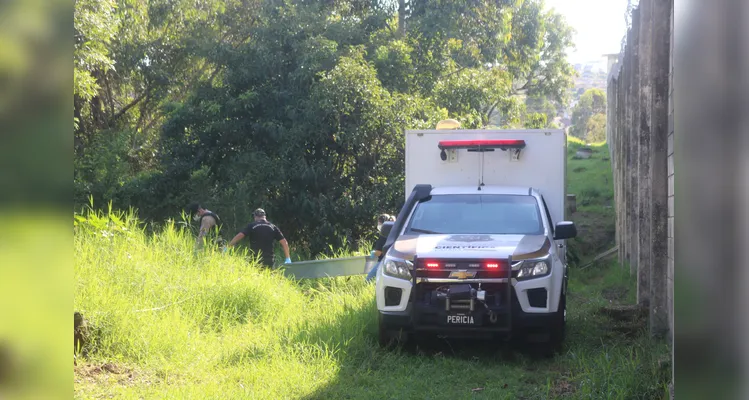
(462, 274)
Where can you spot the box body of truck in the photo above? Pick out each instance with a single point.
(479, 246)
(541, 164)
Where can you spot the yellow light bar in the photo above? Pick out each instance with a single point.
(448, 124)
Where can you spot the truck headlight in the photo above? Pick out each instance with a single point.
(397, 268)
(533, 269)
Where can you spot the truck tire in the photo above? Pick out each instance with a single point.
(388, 336)
(557, 328)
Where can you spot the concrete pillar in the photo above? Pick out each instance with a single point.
(611, 123)
(621, 226)
(633, 124)
(670, 153)
(617, 156)
(643, 165)
(610, 118)
(660, 42)
(626, 148)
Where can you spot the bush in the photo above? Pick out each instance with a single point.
(103, 168)
(573, 253)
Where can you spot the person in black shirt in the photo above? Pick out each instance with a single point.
(379, 244)
(262, 234)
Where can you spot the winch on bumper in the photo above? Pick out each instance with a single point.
(465, 298)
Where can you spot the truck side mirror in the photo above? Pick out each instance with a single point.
(386, 228)
(565, 230)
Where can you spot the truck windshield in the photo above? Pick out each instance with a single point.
(477, 214)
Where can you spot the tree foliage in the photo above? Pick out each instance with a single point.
(535, 121)
(540, 104)
(592, 102)
(298, 107)
(595, 129)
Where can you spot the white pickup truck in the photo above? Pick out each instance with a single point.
(478, 249)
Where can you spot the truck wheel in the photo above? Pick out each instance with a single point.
(387, 336)
(557, 328)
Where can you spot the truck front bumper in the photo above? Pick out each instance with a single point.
(519, 321)
(514, 306)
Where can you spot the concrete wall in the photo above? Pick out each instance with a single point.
(670, 155)
(640, 134)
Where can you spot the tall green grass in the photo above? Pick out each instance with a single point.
(607, 364)
(207, 325)
(191, 322)
(591, 180)
(575, 141)
(184, 324)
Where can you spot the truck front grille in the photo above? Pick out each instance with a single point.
(426, 295)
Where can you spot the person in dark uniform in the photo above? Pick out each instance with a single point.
(209, 225)
(262, 235)
(379, 244)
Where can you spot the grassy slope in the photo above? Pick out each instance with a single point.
(173, 324)
(591, 181)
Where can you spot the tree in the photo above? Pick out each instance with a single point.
(133, 59)
(595, 130)
(303, 127)
(95, 25)
(592, 102)
(520, 38)
(263, 101)
(536, 53)
(472, 95)
(535, 121)
(542, 104)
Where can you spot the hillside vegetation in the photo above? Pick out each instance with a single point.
(297, 107)
(592, 183)
(166, 322)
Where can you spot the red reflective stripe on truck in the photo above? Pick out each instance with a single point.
(447, 144)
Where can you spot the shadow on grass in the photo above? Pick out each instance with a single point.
(597, 359)
(429, 367)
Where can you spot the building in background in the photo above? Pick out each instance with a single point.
(612, 59)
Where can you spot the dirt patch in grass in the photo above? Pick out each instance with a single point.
(629, 331)
(108, 373)
(624, 312)
(94, 370)
(562, 388)
(625, 320)
(595, 233)
(615, 294)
